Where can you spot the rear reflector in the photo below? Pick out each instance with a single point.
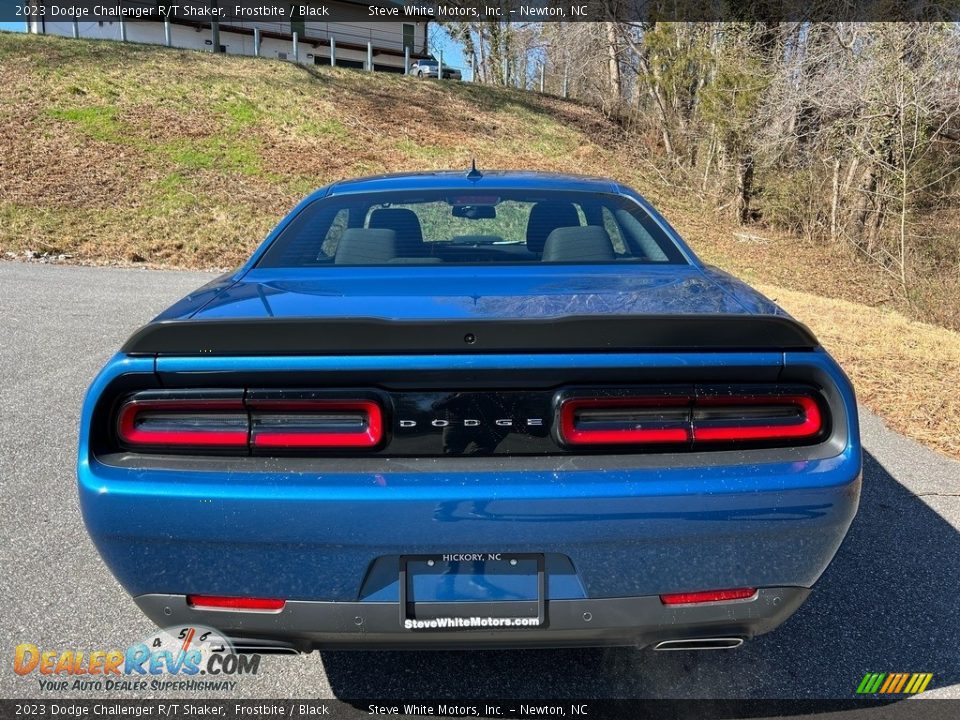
(235, 603)
(625, 421)
(707, 596)
(184, 423)
(315, 424)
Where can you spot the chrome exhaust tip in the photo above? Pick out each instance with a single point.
(724, 643)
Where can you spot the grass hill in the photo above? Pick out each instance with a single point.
(122, 153)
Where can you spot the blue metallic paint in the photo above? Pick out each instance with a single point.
(469, 292)
(627, 531)
(312, 535)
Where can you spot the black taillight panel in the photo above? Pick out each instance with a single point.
(413, 423)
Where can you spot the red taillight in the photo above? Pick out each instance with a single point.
(315, 424)
(625, 421)
(744, 418)
(184, 423)
(234, 423)
(690, 418)
(217, 602)
(707, 596)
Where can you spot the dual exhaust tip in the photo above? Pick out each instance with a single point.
(721, 643)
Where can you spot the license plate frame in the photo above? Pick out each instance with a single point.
(413, 613)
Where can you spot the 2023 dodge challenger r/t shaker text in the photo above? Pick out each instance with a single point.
(448, 410)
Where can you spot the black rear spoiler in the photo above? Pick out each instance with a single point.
(373, 336)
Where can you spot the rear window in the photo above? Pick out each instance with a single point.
(471, 228)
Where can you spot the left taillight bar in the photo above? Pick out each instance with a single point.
(231, 421)
(191, 422)
(625, 420)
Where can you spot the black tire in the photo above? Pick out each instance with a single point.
(420, 74)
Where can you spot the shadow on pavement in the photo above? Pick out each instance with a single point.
(887, 603)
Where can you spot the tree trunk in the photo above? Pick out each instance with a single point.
(613, 64)
(744, 188)
(482, 60)
(835, 201)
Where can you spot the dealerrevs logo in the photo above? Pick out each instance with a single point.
(170, 660)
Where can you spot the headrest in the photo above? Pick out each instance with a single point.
(404, 223)
(365, 246)
(586, 244)
(545, 217)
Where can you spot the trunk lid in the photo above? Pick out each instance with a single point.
(430, 293)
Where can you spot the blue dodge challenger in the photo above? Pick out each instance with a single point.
(471, 410)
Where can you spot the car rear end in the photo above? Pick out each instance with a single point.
(436, 478)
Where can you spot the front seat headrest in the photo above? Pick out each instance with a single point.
(365, 246)
(585, 244)
(545, 217)
(405, 224)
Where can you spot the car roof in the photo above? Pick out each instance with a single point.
(489, 180)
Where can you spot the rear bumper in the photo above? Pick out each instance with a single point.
(320, 536)
(304, 625)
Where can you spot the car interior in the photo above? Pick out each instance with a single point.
(426, 233)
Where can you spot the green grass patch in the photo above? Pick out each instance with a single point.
(241, 113)
(98, 122)
(325, 128)
(423, 152)
(171, 193)
(218, 153)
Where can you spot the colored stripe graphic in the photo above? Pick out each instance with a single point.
(891, 680)
(903, 680)
(918, 683)
(894, 683)
(870, 683)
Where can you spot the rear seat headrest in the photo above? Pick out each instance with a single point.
(589, 243)
(366, 246)
(545, 217)
(405, 224)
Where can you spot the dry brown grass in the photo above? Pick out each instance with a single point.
(902, 369)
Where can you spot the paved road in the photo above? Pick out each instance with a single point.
(889, 601)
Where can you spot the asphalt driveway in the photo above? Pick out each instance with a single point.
(889, 602)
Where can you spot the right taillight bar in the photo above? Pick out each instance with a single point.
(748, 418)
(690, 419)
(315, 424)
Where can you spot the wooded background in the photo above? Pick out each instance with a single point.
(845, 133)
